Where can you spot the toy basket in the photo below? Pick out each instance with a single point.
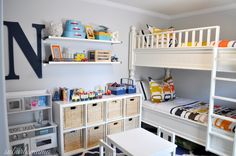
(117, 90)
(129, 85)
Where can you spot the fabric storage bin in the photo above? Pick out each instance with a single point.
(115, 109)
(115, 127)
(95, 113)
(95, 134)
(131, 123)
(73, 140)
(74, 34)
(73, 117)
(132, 106)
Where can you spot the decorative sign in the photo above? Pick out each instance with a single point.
(35, 59)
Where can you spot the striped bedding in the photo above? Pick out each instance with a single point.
(198, 111)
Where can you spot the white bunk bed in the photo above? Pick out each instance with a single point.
(154, 50)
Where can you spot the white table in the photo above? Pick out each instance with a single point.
(140, 142)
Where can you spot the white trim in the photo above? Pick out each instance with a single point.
(4, 142)
(158, 14)
(128, 8)
(204, 11)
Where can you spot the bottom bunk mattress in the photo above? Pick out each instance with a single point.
(196, 111)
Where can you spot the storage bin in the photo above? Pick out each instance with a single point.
(95, 134)
(129, 84)
(132, 106)
(95, 113)
(115, 127)
(115, 109)
(117, 90)
(99, 55)
(102, 36)
(74, 34)
(73, 140)
(131, 123)
(73, 117)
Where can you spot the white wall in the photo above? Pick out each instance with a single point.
(27, 12)
(196, 84)
(3, 116)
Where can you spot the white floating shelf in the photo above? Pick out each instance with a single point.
(79, 63)
(51, 38)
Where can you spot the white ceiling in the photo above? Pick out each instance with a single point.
(175, 8)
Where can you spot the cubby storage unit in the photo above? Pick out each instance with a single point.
(94, 120)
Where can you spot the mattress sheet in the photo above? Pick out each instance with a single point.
(194, 110)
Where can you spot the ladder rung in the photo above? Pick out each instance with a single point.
(223, 117)
(226, 59)
(224, 98)
(225, 79)
(222, 136)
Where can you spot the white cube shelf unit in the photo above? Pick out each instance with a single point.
(82, 124)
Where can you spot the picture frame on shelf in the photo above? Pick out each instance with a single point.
(56, 52)
(89, 32)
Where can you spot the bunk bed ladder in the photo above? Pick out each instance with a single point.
(211, 115)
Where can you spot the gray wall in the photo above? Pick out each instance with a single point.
(196, 84)
(3, 115)
(27, 12)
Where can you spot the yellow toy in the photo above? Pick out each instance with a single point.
(80, 57)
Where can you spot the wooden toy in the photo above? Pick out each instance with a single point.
(99, 55)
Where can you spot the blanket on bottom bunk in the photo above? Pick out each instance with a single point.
(198, 111)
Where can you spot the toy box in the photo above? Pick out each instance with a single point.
(117, 89)
(74, 34)
(103, 36)
(129, 85)
(99, 55)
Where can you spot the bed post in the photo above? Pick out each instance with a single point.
(131, 52)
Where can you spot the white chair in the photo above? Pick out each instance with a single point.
(109, 151)
(167, 135)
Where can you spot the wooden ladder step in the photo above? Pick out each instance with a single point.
(224, 98)
(225, 79)
(225, 137)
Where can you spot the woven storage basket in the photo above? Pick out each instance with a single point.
(73, 140)
(115, 108)
(115, 127)
(95, 134)
(132, 106)
(73, 117)
(131, 123)
(95, 113)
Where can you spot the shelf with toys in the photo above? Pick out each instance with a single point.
(80, 44)
(80, 63)
(83, 118)
(62, 39)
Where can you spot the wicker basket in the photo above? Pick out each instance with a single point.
(115, 127)
(131, 123)
(100, 56)
(73, 117)
(115, 108)
(132, 106)
(73, 140)
(95, 134)
(95, 113)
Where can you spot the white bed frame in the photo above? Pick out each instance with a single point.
(197, 57)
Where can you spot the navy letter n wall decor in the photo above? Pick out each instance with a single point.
(15, 31)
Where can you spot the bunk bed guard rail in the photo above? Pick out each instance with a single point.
(196, 37)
